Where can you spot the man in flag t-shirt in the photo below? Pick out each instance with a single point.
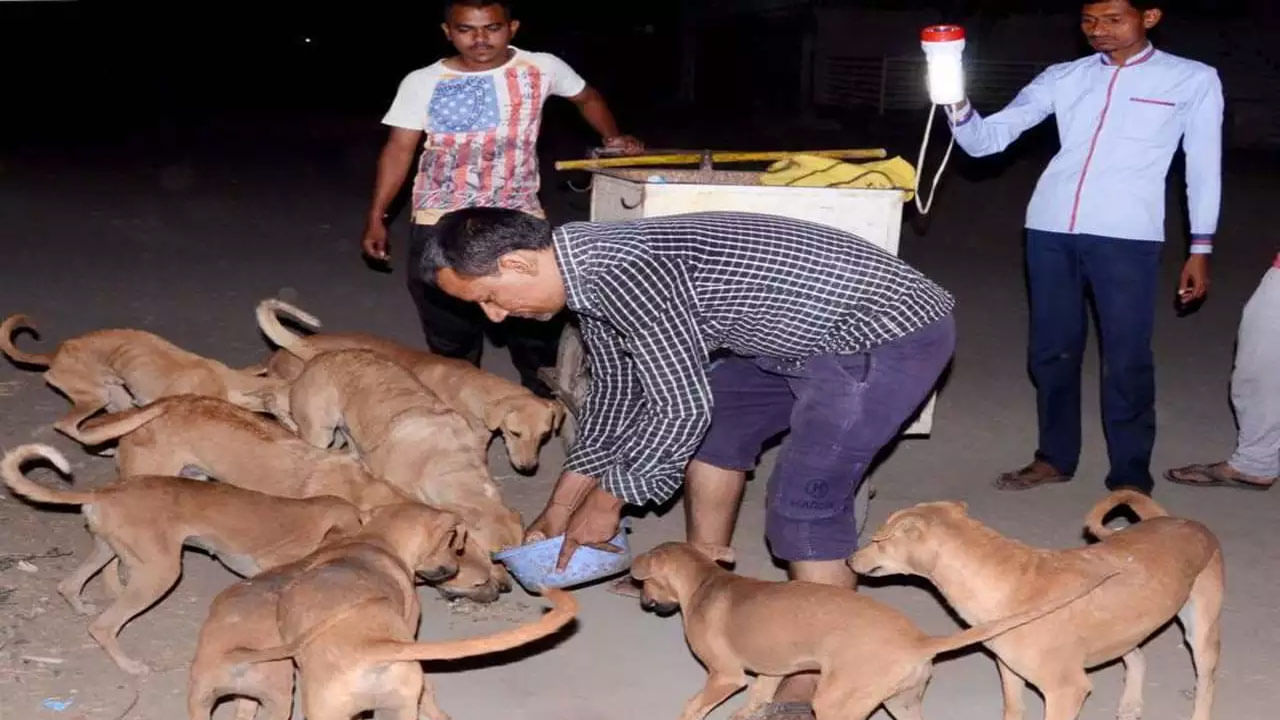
(476, 117)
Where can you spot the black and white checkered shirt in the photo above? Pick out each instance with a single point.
(657, 296)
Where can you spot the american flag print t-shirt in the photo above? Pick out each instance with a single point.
(481, 131)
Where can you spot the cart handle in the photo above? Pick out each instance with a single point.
(694, 158)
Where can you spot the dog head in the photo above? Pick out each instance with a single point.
(429, 541)
(479, 578)
(907, 543)
(659, 569)
(526, 421)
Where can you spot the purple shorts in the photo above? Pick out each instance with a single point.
(840, 411)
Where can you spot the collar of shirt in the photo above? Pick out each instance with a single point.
(574, 256)
(1138, 59)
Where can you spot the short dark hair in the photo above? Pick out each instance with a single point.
(1139, 5)
(470, 241)
(449, 5)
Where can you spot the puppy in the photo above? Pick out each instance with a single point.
(350, 631)
(118, 368)
(1167, 567)
(397, 542)
(146, 520)
(868, 654)
(405, 435)
(487, 401)
(204, 437)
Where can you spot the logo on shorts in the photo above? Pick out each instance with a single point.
(817, 488)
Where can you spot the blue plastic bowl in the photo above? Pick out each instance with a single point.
(533, 564)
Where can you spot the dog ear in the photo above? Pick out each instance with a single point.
(909, 526)
(716, 553)
(495, 413)
(958, 507)
(642, 568)
(912, 528)
(458, 535)
(558, 411)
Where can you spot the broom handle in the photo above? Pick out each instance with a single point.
(694, 158)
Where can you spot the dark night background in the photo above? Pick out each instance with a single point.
(166, 166)
(101, 72)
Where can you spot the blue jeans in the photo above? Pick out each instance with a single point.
(1122, 276)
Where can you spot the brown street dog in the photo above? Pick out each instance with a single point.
(119, 368)
(406, 436)
(491, 403)
(204, 437)
(1167, 567)
(146, 520)
(351, 633)
(868, 653)
(397, 542)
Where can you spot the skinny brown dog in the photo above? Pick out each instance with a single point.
(350, 631)
(868, 653)
(1167, 567)
(397, 542)
(146, 520)
(489, 402)
(119, 368)
(203, 437)
(406, 436)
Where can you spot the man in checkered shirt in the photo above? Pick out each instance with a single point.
(814, 330)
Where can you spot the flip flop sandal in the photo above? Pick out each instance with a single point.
(1212, 476)
(1029, 477)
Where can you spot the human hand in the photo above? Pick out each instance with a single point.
(593, 523)
(374, 241)
(1193, 285)
(570, 490)
(627, 144)
(552, 522)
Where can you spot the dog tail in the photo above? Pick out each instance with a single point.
(11, 470)
(988, 630)
(564, 608)
(1141, 504)
(109, 427)
(268, 314)
(11, 325)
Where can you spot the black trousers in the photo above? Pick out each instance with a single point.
(457, 328)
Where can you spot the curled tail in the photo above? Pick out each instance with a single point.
(11, 325)
(1141, 504)
(109, 427)
(269, 322)
(11, 470)
(564, 608)
(988, 630)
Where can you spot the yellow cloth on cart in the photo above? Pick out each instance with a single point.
(817, 171)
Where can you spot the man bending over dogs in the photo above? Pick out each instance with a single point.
(822, 333)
